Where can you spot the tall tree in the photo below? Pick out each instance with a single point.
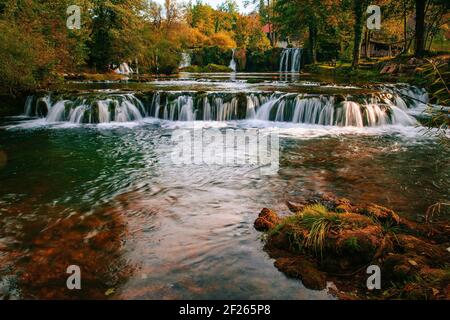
(116, 32)
(419, 48)
(359, 8)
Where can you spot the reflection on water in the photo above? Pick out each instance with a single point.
(109, 200)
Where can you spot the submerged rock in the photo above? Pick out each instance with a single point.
(303, 269)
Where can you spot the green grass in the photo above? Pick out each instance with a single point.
(352, 244)
(319, 221)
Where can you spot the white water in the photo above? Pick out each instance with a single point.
(124, 68)
(379, 109)
(291, 60)
(185, 60)
(233, 62)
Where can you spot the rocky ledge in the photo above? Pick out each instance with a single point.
(329, 240)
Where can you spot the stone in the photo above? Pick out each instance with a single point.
(382, 214)
(267, 220)
(306, 271)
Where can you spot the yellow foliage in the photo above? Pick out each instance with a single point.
(222, 39)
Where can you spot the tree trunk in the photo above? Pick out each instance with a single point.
(313, 42)
(358, 11)
(367, 36)
(405, 29)
(419, 50)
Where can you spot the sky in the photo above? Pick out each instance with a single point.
(215, 3)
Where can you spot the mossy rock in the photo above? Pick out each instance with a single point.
(267, 220)
(381, 214)
(316, 243)
(303, 269)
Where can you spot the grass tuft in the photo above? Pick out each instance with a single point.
(319, 221)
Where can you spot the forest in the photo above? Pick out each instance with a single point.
(38, 48)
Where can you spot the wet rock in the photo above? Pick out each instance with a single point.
(306, 271)
(398, 268)
(344, 205)
(436, 255)
(382, 214)
(267, 220)
(295, 207)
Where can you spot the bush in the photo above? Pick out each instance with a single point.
(210, 68)
(212, 55)
(268, 60)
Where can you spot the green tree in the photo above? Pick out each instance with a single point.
(117, 27)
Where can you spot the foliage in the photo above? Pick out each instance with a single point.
(212, 55)
(152, 36)
(210, 68)
(35, 43)
(222, 39)
(438, 74)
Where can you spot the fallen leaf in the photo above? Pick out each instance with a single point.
(412, 262)
(110, 291)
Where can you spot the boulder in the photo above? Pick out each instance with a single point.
(267, 220)
(381, 214)
(303, 269)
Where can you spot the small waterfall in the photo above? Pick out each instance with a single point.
(114, 108)
(324, 110)
(233, 62)
(29, 106)
(57, 112)
(254, 101)
(291, 60)
(124, 68)
(185, 60)
(365, 110)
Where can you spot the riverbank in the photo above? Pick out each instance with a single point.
(401, 69)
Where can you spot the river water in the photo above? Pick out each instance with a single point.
(109, 198)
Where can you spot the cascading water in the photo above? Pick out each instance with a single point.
(376, 109)
(124, 68)
(116, 107)
(233, 62)
(291, 60)
(185, 60)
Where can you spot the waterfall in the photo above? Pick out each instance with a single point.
(29, 106)
(233, 62)
(124, 68)
(364, 110)
(291, 59)
(115, 107)
(324, 110)
(185, 60)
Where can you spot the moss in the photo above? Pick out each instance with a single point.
(352, 244)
